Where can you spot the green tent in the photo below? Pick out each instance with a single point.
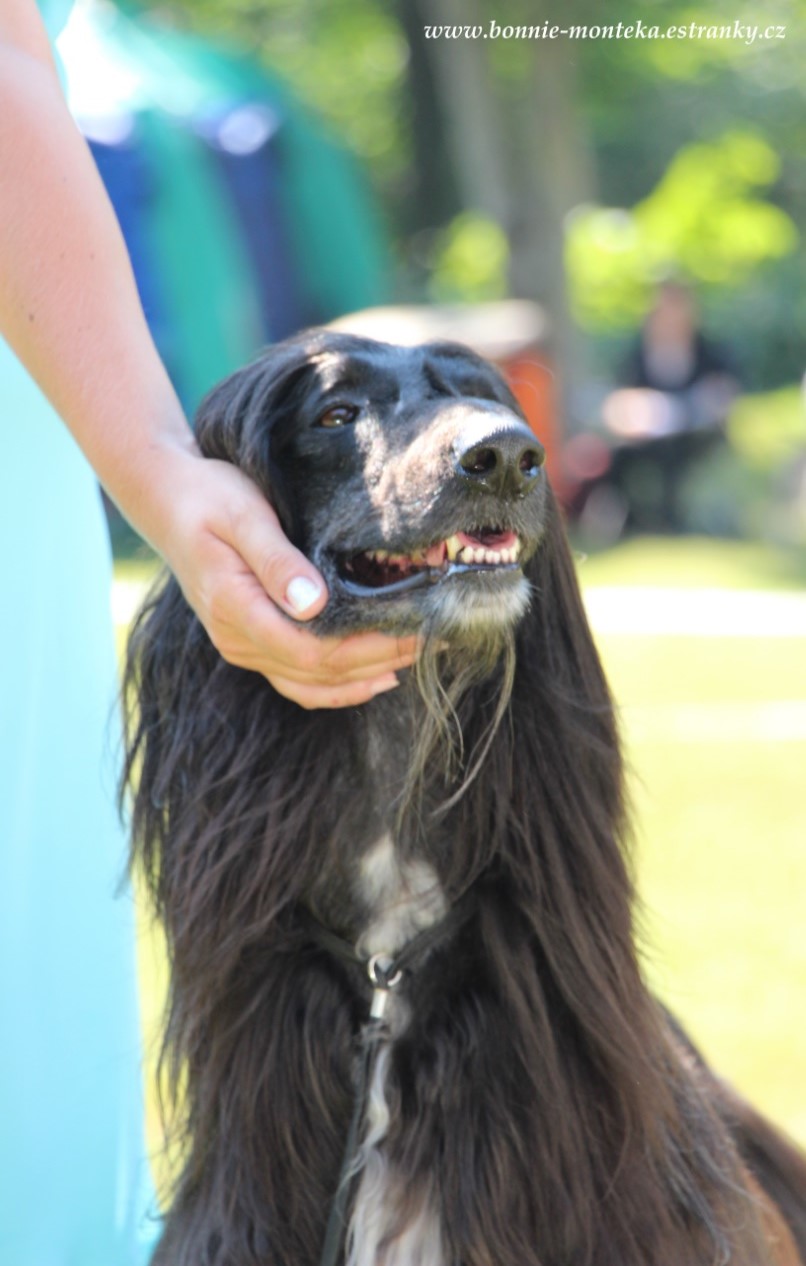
(217, 174)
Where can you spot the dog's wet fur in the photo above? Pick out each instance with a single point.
(531, 1105)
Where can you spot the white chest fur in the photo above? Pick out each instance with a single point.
(403, 899)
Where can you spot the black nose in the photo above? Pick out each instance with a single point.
(505, 459)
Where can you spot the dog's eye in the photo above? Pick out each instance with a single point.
(339, 415)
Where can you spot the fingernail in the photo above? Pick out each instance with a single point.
(384, 683)
(302, 593)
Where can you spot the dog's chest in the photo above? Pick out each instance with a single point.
(401, 899)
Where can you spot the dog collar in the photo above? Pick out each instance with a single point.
(386, 971)
(384, 974)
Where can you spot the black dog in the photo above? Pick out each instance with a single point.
(407, 1025)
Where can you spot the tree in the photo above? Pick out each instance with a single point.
(518, 132)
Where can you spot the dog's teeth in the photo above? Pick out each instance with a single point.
(381, 555)
(507, 556)
(516, 548)
(479, 554)
(453, 548)
(493, 557)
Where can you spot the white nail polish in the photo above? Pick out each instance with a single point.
(302, 593)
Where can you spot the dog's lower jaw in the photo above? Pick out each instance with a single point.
(464, 611)
(460, 607)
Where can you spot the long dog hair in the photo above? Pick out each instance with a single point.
(533, 1105)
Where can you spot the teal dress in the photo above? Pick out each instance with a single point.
(74, 1183)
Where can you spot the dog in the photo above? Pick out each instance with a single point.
(406, 1024)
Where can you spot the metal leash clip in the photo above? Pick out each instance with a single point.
(384, 976)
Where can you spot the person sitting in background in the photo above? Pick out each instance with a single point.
(677, 389)
(672, 355)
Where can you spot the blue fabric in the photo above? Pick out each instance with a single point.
(133, 188)
(73, 1178)
(74, 1182)
(55, 13)
(254, 182)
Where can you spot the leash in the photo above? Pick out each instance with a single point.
(385, 974)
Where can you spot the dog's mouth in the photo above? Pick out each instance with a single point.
(376, 572)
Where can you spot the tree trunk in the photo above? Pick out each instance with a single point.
(551, 174)
(473, 126)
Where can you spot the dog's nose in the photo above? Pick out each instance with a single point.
(505, 459)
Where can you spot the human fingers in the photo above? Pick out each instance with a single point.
(360, 654)
(230, 555)
(285, 574)
(350, 694)
(250, 632)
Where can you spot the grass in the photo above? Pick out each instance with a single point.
(695, 562)
(720, 815)
(720, 821)
(720, 855)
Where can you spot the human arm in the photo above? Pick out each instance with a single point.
(69, 308)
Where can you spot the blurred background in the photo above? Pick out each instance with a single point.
(619, 223)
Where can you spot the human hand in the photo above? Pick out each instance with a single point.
(69, 308)
(237, 570)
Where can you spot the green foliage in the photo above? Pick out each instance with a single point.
(348, 61)
(654, 116)
(345, 60)
(769, 429)
(748, 50)
(705, 220)
(471, 261)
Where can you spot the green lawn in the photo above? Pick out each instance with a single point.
(719, 793)
(721, 850)
(695, 562)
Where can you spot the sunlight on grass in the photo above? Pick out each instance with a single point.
(721, 863)
(694, 562)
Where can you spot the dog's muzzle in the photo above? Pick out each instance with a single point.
(379, 573)
(494, 462)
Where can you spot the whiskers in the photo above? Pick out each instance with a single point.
(446, 675)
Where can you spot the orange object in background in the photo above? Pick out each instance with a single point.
(532, 381)
(511, 333)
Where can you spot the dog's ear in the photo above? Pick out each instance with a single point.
(238, 420)
(558, 623)
(562, 686)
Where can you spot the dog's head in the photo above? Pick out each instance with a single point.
(407, 475)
